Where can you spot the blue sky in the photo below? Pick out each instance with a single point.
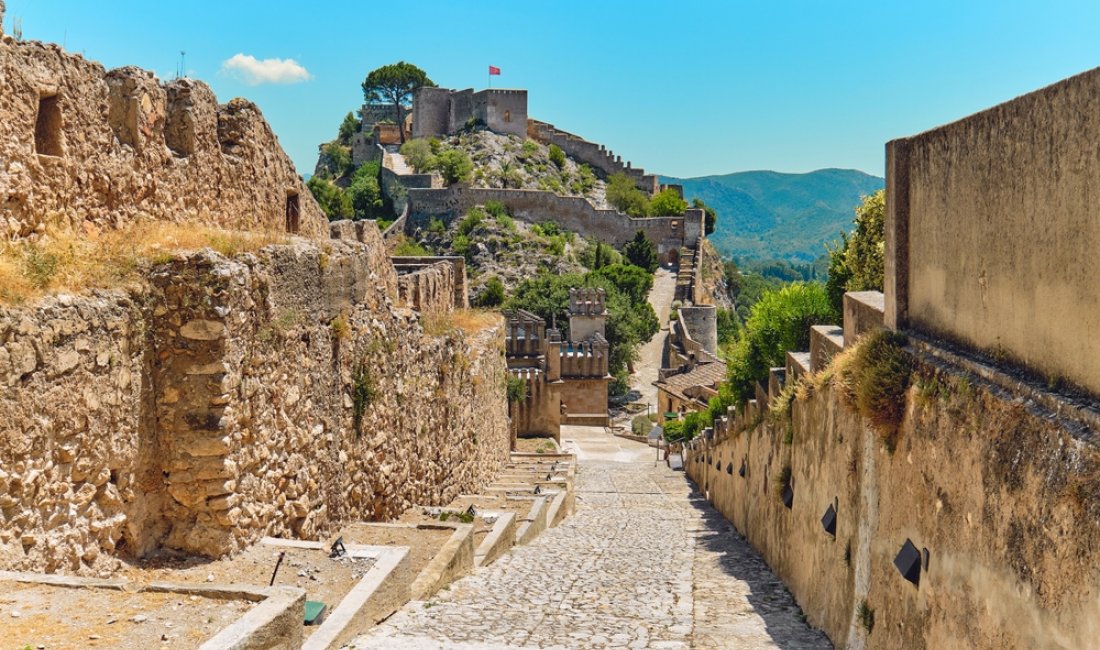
(680, 88)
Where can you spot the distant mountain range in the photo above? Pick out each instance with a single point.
(771, 215)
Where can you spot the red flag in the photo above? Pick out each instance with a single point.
(494, 70)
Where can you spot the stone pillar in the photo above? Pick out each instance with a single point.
(553, 356)
(896, 275)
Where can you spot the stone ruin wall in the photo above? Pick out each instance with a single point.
(573, 213)
(992, 233)
(214, 404)
(428, 290)
(116, 147)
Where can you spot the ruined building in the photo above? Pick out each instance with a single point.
(279, 389)
(565, 381)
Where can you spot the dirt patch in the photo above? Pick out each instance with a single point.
(536, 446)
(324, 579)
(423, 543)
(65, 617)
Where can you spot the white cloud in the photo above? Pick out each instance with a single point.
(254, 72)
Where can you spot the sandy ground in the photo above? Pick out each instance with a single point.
(649, 362)
(59, 617)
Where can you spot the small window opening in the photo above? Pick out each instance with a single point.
(47, 127)
(292, 212)
(507, 116)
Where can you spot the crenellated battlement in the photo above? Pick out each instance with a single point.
(587, 302)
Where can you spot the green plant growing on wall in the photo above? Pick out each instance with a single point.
(857, 262)
(363, 393)
(667, 203)
(880, 374)
(782, 480)
(492, 295)
(866, 616)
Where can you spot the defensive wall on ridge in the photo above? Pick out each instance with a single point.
(992, 231)
(88, 150)
(601, 159)
(570, 212)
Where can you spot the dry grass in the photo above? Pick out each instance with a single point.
(471, 321)
(62, 260)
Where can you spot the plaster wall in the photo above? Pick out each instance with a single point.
(1009, 529)
(992, 231)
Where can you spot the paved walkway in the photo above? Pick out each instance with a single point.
(643, 563)
(649, 356)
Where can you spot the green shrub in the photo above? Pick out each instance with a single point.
(496, 209)
(515, 388)
(641, 252)
(365, 192)
(779, 322)
(530, 147)
(667, 204)
(557, 156)
(455, 166)
(674, 430)
(880, 374)
(334, 202)
(492, 295)
(625, 196)
(348, 128)
(641, 425)
(436, 226)
(409, 248)
(474, 218)
(418, 154)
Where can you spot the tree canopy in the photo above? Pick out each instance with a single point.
(858, 262)
(641, 252)
(395, 84)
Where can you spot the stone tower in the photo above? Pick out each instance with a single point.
(587, 313)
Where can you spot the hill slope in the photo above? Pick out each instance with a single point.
(771, 215)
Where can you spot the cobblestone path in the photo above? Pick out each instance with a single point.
(643, 563)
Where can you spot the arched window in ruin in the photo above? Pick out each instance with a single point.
(47, 127)
(293, 212)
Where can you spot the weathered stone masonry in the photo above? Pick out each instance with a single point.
(88, 149)
(220, 404)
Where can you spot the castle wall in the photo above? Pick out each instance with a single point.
(570, 212)
(502, 111)
(89, 150)
(991, 231)
(218, 403)
(701, 323)
(539, 414)
(585, 396)
(431, 112)
(602, 160)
